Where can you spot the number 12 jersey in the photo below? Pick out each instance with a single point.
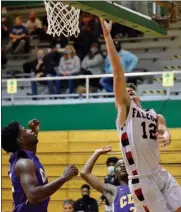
(138, 141)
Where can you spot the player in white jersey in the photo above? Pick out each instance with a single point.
(141, 132)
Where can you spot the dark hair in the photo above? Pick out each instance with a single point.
(131, 85)
(85, 186)
(111, 160)
(9, 136)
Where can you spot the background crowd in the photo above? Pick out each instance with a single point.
(65, 56)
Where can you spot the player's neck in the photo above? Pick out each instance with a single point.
(124, 181)
(31, 149)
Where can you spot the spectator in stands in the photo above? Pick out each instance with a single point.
(37, 68)
(68, 205)
(86, 203)
(69, 66)
(128, 60)
(92, 64)
(18, 37)
(6, 23)
(51, 61)
(34, 25)
(110, 179)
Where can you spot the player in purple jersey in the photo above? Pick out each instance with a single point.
(118, 195)
(30, 187)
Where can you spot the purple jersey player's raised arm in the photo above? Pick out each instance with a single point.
(20, 200)
(119, 197)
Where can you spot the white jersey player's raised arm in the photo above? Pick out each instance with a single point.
(122, 94)
(140, 132)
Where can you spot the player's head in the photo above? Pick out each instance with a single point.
(120, 171)
(111, 162)
(15, 137)
(131, 89)
(18, 21)
(85, 190)
(68, 205)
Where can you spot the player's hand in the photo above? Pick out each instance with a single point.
(162, 140)
(106, 27)
(103, 150)
(70, 172)
(34, 125)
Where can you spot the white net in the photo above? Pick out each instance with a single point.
(62, 19)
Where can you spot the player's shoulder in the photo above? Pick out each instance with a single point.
(24, 165)
(160, 116)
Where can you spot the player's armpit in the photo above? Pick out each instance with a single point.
(123, 111)
(110, 192)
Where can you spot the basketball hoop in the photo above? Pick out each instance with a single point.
(62, 19)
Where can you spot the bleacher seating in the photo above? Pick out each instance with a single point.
(57, 149)
(155, 54)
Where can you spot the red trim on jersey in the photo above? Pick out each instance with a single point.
(124, 136)
(146, 208)
(129, 155)
(134, 172)
(138, 192)
(124, 139)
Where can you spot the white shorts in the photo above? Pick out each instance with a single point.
(158, 192)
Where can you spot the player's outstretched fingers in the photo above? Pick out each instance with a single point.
(105, 28)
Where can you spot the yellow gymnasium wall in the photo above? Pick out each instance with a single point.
(56, 149)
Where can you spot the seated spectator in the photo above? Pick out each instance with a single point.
(51, 61)
(86, 203)
(37, 67)
(33, 25)
(128, 60)
(68, 205)
(69, 66)
(18, 37)
(92, 64)
(6, 23)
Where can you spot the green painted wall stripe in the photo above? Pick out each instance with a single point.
(84, 116)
